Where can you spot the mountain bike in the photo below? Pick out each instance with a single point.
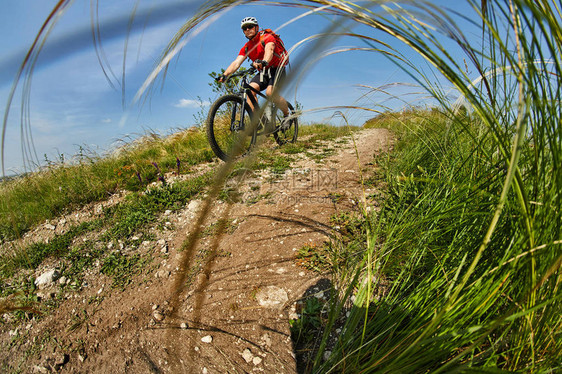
(233, 125)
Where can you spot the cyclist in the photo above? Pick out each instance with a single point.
(261, 49)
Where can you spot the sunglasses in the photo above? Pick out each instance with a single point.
(247, 27)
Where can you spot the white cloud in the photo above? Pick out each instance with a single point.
(187, 103)
(106, 120)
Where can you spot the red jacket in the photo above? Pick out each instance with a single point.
(255, 49)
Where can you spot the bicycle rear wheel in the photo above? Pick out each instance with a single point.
(290, 134)
(229, 134)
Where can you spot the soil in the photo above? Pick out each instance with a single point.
(222, 306)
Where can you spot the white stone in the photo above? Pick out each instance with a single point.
(272, 297)
(207, 339)
(257, 360)
(247, 355)
(193, 205)
(159, 317)
(47, 278)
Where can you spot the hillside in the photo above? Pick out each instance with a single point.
(226, 306)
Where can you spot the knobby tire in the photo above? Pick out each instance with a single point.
(227, 144)
(290, 135)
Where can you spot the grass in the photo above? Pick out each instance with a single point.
(467, 242)
(61, 188)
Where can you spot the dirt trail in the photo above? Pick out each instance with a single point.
(234, 317)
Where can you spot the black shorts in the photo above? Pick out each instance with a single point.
(270, 76)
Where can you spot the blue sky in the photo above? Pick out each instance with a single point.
(73, 105)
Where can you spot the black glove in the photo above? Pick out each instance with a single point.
(262, 63)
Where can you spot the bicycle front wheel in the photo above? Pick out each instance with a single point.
(229, 127)
(291, 132)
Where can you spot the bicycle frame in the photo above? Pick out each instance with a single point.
(245, 90)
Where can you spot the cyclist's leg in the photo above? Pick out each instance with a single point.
(255, 86)
(275, 77)
(259, 82)
(278, 100)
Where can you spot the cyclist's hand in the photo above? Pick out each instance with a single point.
(221, 78)
(260, 64)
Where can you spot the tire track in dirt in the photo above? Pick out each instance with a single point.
(257, 257)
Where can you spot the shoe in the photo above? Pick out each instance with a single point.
(285, 123)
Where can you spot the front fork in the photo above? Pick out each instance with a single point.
(240, 125)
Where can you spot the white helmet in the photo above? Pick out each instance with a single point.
(249, 21)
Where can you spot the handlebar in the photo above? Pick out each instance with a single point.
(250, 71)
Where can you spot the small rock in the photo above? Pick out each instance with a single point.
(60, 360)
(48, 226)
(272, 297)
(183, 326)
(162, 273)
(193, 205)
(266, 340)
(158, 317)
(46, 295)
(207, 339)
(163, 245)
(257, 360)
(63, 280)
(47, 278)
(247, 355)
(327, 354)
(40, 369)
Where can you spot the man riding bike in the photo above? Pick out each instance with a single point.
(262, 49)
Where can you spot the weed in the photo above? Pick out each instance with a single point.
(305, 331)
(314, 257)
(122, 268)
